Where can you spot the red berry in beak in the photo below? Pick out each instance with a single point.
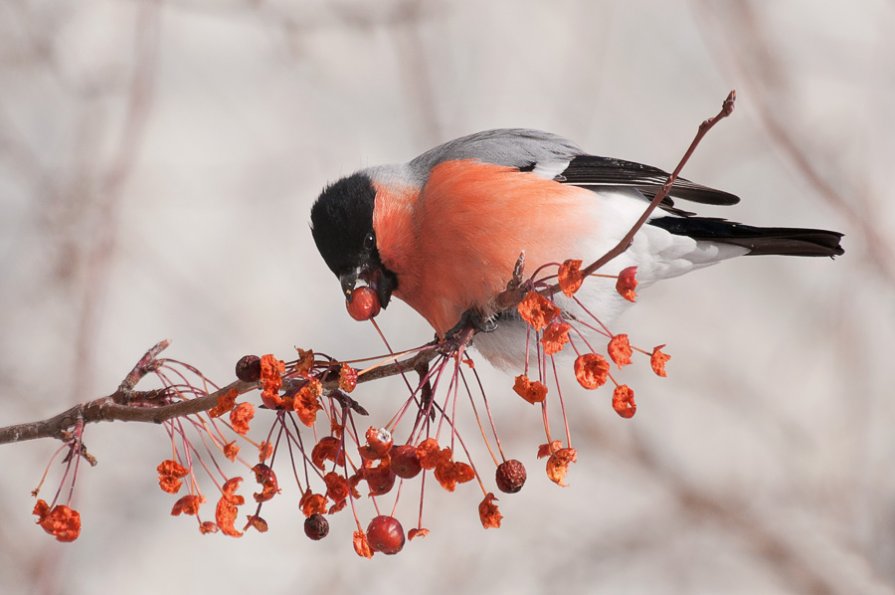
(363, 303)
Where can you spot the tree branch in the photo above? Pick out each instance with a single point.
(625, 243)
(126, 404)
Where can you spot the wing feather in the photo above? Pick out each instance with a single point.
(544, 153)
(591, 171)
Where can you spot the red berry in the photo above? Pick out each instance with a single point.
(510, 476)
(316, 526)
(381, 479)
(363, 304)
(405, 461)
(385, 534)
(248, 368)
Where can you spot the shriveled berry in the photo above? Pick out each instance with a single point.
(379, 440)
(385, 534)
(623, 401)
(316, 526)
(363, 303)
(405, 461)
(510, 476)
(248, 368)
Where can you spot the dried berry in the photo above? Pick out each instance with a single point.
(363, 303)
(248, 368)
(385, 534)
(379, 440)
(510, 476)
(623, 401)
(316, 527)
(591, 370)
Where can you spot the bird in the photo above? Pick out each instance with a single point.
(444, 231)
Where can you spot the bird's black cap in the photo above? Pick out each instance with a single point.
(341, 220)
(342, 226)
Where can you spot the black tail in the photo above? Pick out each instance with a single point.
(784, 241)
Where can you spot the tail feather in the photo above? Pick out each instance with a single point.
(784, 241)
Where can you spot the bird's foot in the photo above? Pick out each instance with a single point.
(460, 335)
(473, 321)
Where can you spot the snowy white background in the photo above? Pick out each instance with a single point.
(157, 165)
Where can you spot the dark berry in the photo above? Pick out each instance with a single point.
(510, 476)
(248, 368)
(316, 526)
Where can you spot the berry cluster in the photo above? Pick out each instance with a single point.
(313, 425)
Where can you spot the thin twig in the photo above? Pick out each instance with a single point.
(146, 365)
(625, 242)
(126, 404)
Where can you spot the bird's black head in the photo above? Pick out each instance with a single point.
(342, 226)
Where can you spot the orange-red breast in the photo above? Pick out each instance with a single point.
(444, 231)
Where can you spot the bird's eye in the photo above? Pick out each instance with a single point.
(370, 241)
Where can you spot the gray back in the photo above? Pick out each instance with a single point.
(513, 147)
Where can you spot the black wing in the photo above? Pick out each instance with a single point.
(590, 171)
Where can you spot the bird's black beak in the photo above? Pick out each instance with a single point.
(348, 281)
(381, 280)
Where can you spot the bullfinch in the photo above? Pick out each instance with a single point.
(444, 231)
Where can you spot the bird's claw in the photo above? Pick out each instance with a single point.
(488, 325)
(475, 321)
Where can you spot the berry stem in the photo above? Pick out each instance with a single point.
(478, 420)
